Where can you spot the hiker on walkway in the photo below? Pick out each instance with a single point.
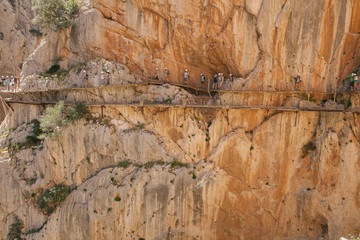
(297, 82)
(215, 82)
(102, 78)
(356, 82)
(7, 83)
(220, 80)
(230, 81)
(157, 74)
(15, 83)
(3, 80)
(47, 83)
(107, 77)
(18, 82)
(85, 78)
(352, 81)
(186, 76)
(11, 82)
(202, 80)
(166, 73)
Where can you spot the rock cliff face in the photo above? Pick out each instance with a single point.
(181, 173)
(18, 36)
(264, 42)
(252, 174)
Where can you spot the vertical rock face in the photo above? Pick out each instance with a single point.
(250, 176)
(18, 37)
(193, 173)
(265, 42)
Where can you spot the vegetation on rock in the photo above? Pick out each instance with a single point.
(59, 116)
(15, 229)
(30, 140)
(50, 198)
(124, 164)
(55, 14)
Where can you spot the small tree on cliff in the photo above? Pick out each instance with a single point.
(55, 14)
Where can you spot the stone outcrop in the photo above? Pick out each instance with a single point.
(250, 175)
(18, 36)
(264, 42)
(145, 172)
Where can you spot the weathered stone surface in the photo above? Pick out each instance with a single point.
(254, 174)
(255, 177)
(265, 42)
(18, 36)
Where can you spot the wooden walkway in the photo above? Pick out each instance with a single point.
(204, 96)
(212, 106)
(193, 89)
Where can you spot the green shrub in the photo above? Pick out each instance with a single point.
(51, 197)
(15, 229)
(36, 32)
(78, 67)
(72, 8)
(55, 14)
(59, 116)
(139, 127)
(124, 164)
(149, 165)
(33, 140)
(30, 140)
(53, 69)
(177, 164)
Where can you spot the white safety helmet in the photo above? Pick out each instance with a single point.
(186, 70)
(102, 72)
(7, 76)
(298, 74)
(166, 68)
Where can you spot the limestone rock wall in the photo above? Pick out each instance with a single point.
(18, 36)
(250, 176)
(264, 42)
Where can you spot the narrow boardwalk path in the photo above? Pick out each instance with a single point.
(202, 99)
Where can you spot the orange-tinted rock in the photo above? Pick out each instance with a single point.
(265, 42)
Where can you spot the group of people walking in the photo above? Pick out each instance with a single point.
(10, 83)
(217, 82)
(166, 74)
(104, 78)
